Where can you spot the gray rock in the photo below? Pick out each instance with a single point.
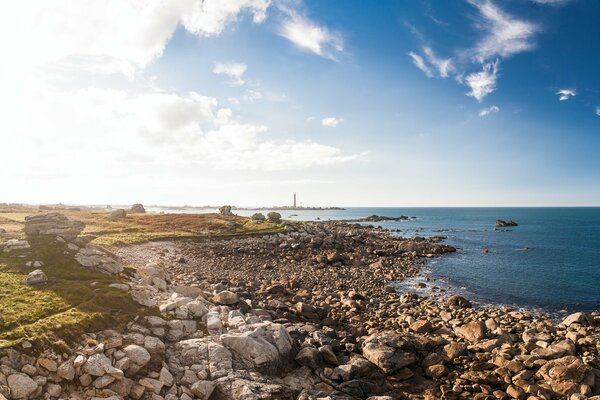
(226, 211)
(274, 216)
(37, 277)
(53, 223)
(138, 208)
(98, 260)
(120, 213)
(15, 244)
(225, 297)
(257, 217)
(21, 386)
(203, 389)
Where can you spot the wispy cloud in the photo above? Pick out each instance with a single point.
(310, 36)
(484, 82)
(598, 111)
(430, 63)
(489, 110)
(551, 2)
(505, 35)
(565, 94)
(331, 122)
(234, 71)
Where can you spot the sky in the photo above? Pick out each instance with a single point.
(346, 103)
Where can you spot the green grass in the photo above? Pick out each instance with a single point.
(66, 307)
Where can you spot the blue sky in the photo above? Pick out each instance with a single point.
(388, 103)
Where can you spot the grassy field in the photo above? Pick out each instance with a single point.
(76, 300)
(137, 228)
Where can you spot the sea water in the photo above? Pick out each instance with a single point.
(551, 260)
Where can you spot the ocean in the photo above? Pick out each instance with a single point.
(550, 262)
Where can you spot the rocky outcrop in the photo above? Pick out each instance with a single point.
(274, 217)
(137, 208)
(35, 278)
(120, 213)
(503, 223)
(226, 211)
(257, 217)
(96, 259)
(54, 223)
(14, 244)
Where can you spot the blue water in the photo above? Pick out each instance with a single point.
(550, 261)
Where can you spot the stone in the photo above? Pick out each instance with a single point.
(53, 390)
(472, 331)
(389, 351)
(54, 223)
(436, 371)
(225, 298)
(138, 357)
(459, 301)
(203, 389)
(21, 386)
(151, 385)
(15, 244)
(274, 217)
(66, 371)
(166, 377)
(421, 326)
(226, 211)
(97, 365)
(257, 217)
(117, 214)
(580, 318)
(98, 260)
(48, 364)
(310, 357)
(137, 208)
(37, 277)
(454, 349)
(501, 223)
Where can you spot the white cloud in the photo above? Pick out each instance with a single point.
(431, 62)
(331, 122)
(598, 111)
(234, 71)
(566, 94)
(484, 82)
(253, 95)
(111, 36)
(309, 36)
(551, 2)
(420, 63)
(489, 110)
(505, 34)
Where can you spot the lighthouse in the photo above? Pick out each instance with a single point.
(294, 200)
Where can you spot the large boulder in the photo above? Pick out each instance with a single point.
(389, 351)
(501, 223)
(226, 298)
(274, 216)
(137, 208)
(21, 386)
(267, 347)
(579, 318)
(226, 211)
(98, 260)
(15, 244)
(564, 374)
(120, 213)
(53, 223)
(37, 277)
(471, 331)
(257, 217)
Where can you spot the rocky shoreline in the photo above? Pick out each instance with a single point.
(308, 314)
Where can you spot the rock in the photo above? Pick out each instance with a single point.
(137, 208)
(21, 386)
(421, 326)
(98, 260)
(15, 244)
(48, 364)
(138, 356)
(203, 389)
(152, 385)
(310, 357)
(501, 222)
(257, 217)
(53, 223)
(274, 217)
(389, 351)
(97, 365)
(120, 213)
(436, 371)
(459, 301)
(472, 331)
(226, 211)
(454, 349)
(578, 318)
(37, 277)
(225, 297)
(66, 371)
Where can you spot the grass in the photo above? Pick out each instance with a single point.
(73, 302)
(100, 229)
(76, 300)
